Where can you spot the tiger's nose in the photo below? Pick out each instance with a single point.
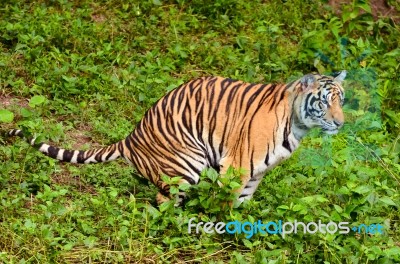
(338, 123)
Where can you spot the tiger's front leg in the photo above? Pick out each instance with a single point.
(246, 189)
(246, 193)
(249, 180)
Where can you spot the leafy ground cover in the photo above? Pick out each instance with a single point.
(82, 73)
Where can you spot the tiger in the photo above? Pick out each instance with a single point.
(216, 122)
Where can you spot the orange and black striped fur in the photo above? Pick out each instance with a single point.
(219, 122)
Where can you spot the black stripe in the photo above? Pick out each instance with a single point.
(252, 99)
(286, 132)
(267, 93)
(67, 155)
(128, 143)
(121, 148)
(232, 94)
(189, 179)
(164, 192)
(97, 157)
(52, 152)
(81, 157)
(307, 103)
(266, 161)
(251, 165)
(274, 102)
(110, 154)
(246, 90)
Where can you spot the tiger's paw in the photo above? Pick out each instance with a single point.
(160, 198)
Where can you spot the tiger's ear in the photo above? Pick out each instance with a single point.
(308, 83)
(339, 76)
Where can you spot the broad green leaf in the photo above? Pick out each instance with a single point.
(338, 208)
(234, 185)
(388, 201)
(68, 246)
(308, 199)
(365, 7)
(298, 207)
(393, 53)
(173, 190)
(113, 193)
(153, 211)
(25, 112)
(212, 175)
(247, 243)
(321, 199)
(184, 186)
(164, 206)
(6, 116)
(284, 207)
(394, 251)
(37, 100)
(362, 189)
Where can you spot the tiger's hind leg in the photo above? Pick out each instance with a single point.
(161, 198)
(164, 194)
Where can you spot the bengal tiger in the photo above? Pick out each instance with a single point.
(220, 122)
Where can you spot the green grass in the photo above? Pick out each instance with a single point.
(83, 73)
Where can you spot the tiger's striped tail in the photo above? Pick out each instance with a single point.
(108, 153)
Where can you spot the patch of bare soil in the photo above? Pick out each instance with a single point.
(80, 139)
(8, 100)
(64, 177)
(98, 18)
(379, 8)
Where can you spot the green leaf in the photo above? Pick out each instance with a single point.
(168, 204)
(298, 207)
(362, 189)
(68, 246)
(173, 190)
(321, 199)
(113, 193)
(393, 53)
(365, 7)
(283, 207)
(234, 185)
(247, 243)
(388, 201)
(153, 211)
(37, 100)
(308, 199)
(394, 251)
(157, 2)
(6, 116)
(184, 186)
(25, 112)
(212, 175)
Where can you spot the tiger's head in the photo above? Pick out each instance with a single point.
(321, 102)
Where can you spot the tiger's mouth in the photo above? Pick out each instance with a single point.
(330, 131)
